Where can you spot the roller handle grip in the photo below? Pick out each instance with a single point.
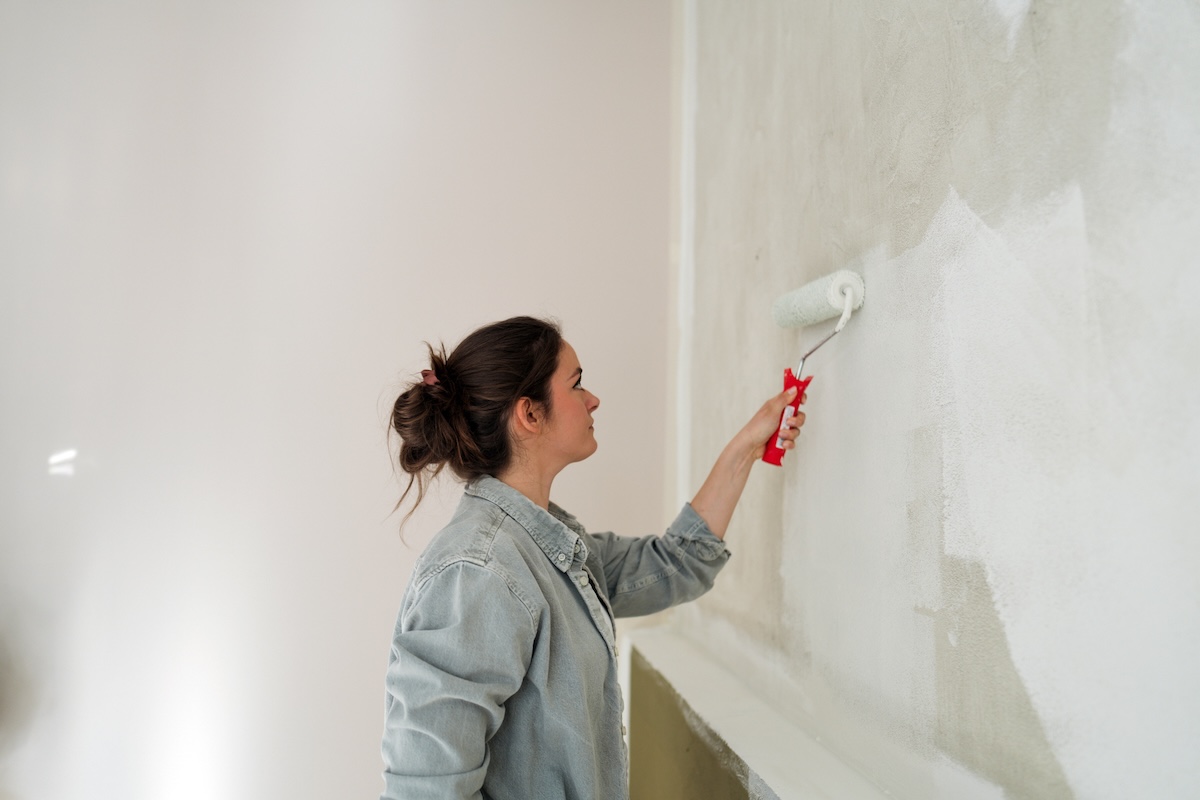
(774, 453)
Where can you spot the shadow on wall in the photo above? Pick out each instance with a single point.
(16, 700)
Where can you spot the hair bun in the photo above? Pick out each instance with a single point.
(456, 414)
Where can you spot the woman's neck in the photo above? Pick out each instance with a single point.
(530, 481)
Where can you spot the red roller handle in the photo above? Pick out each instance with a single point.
(775, 451)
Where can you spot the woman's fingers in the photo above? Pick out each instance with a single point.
(791, 430)
(765, 423)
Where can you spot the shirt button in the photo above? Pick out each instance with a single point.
(583, 579)
(562, 558)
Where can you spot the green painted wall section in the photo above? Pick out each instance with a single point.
(672, 756)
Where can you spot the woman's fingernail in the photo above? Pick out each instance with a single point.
(791, 392)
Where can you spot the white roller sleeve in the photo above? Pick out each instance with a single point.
(819, 300)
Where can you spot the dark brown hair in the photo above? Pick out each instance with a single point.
(461, 420)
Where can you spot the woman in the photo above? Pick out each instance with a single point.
(502, 681)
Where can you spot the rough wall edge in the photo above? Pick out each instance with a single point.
(780, 757)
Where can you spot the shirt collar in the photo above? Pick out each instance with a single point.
(556, 532)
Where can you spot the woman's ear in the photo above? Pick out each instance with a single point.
(527, 417)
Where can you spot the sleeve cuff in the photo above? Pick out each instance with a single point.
(691, 526)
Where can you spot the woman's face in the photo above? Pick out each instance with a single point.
(569, 433)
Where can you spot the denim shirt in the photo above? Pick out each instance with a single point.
(502, 681)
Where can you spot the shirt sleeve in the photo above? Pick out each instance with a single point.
(462, 647)
(651, 573)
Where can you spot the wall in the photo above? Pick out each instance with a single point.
(977, 576)
(669, 756)
(225, 229)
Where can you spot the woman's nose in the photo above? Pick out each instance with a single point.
(595, 403)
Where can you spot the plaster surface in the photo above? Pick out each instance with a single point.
(976, 577)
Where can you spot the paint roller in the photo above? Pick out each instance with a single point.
(839, 293)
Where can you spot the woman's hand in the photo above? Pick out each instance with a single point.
(765, 424)
(721, 490)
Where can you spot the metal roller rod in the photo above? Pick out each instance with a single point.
(849, 307)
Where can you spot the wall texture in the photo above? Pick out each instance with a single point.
(977, 577)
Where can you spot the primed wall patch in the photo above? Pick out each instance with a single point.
(1047, 496)
(985, 718)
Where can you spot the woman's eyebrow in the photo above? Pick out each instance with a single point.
(577, 373)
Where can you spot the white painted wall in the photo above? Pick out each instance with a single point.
(225, 229)
(977, 578)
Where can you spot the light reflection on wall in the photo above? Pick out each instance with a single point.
(63, 462)
(190, 747)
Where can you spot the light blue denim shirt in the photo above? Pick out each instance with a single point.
(502, 681)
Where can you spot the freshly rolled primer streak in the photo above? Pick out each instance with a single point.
(781, 755)
(819, 300)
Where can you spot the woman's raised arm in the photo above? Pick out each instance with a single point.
(723, 487)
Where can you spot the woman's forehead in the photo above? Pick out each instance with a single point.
(568, 361)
